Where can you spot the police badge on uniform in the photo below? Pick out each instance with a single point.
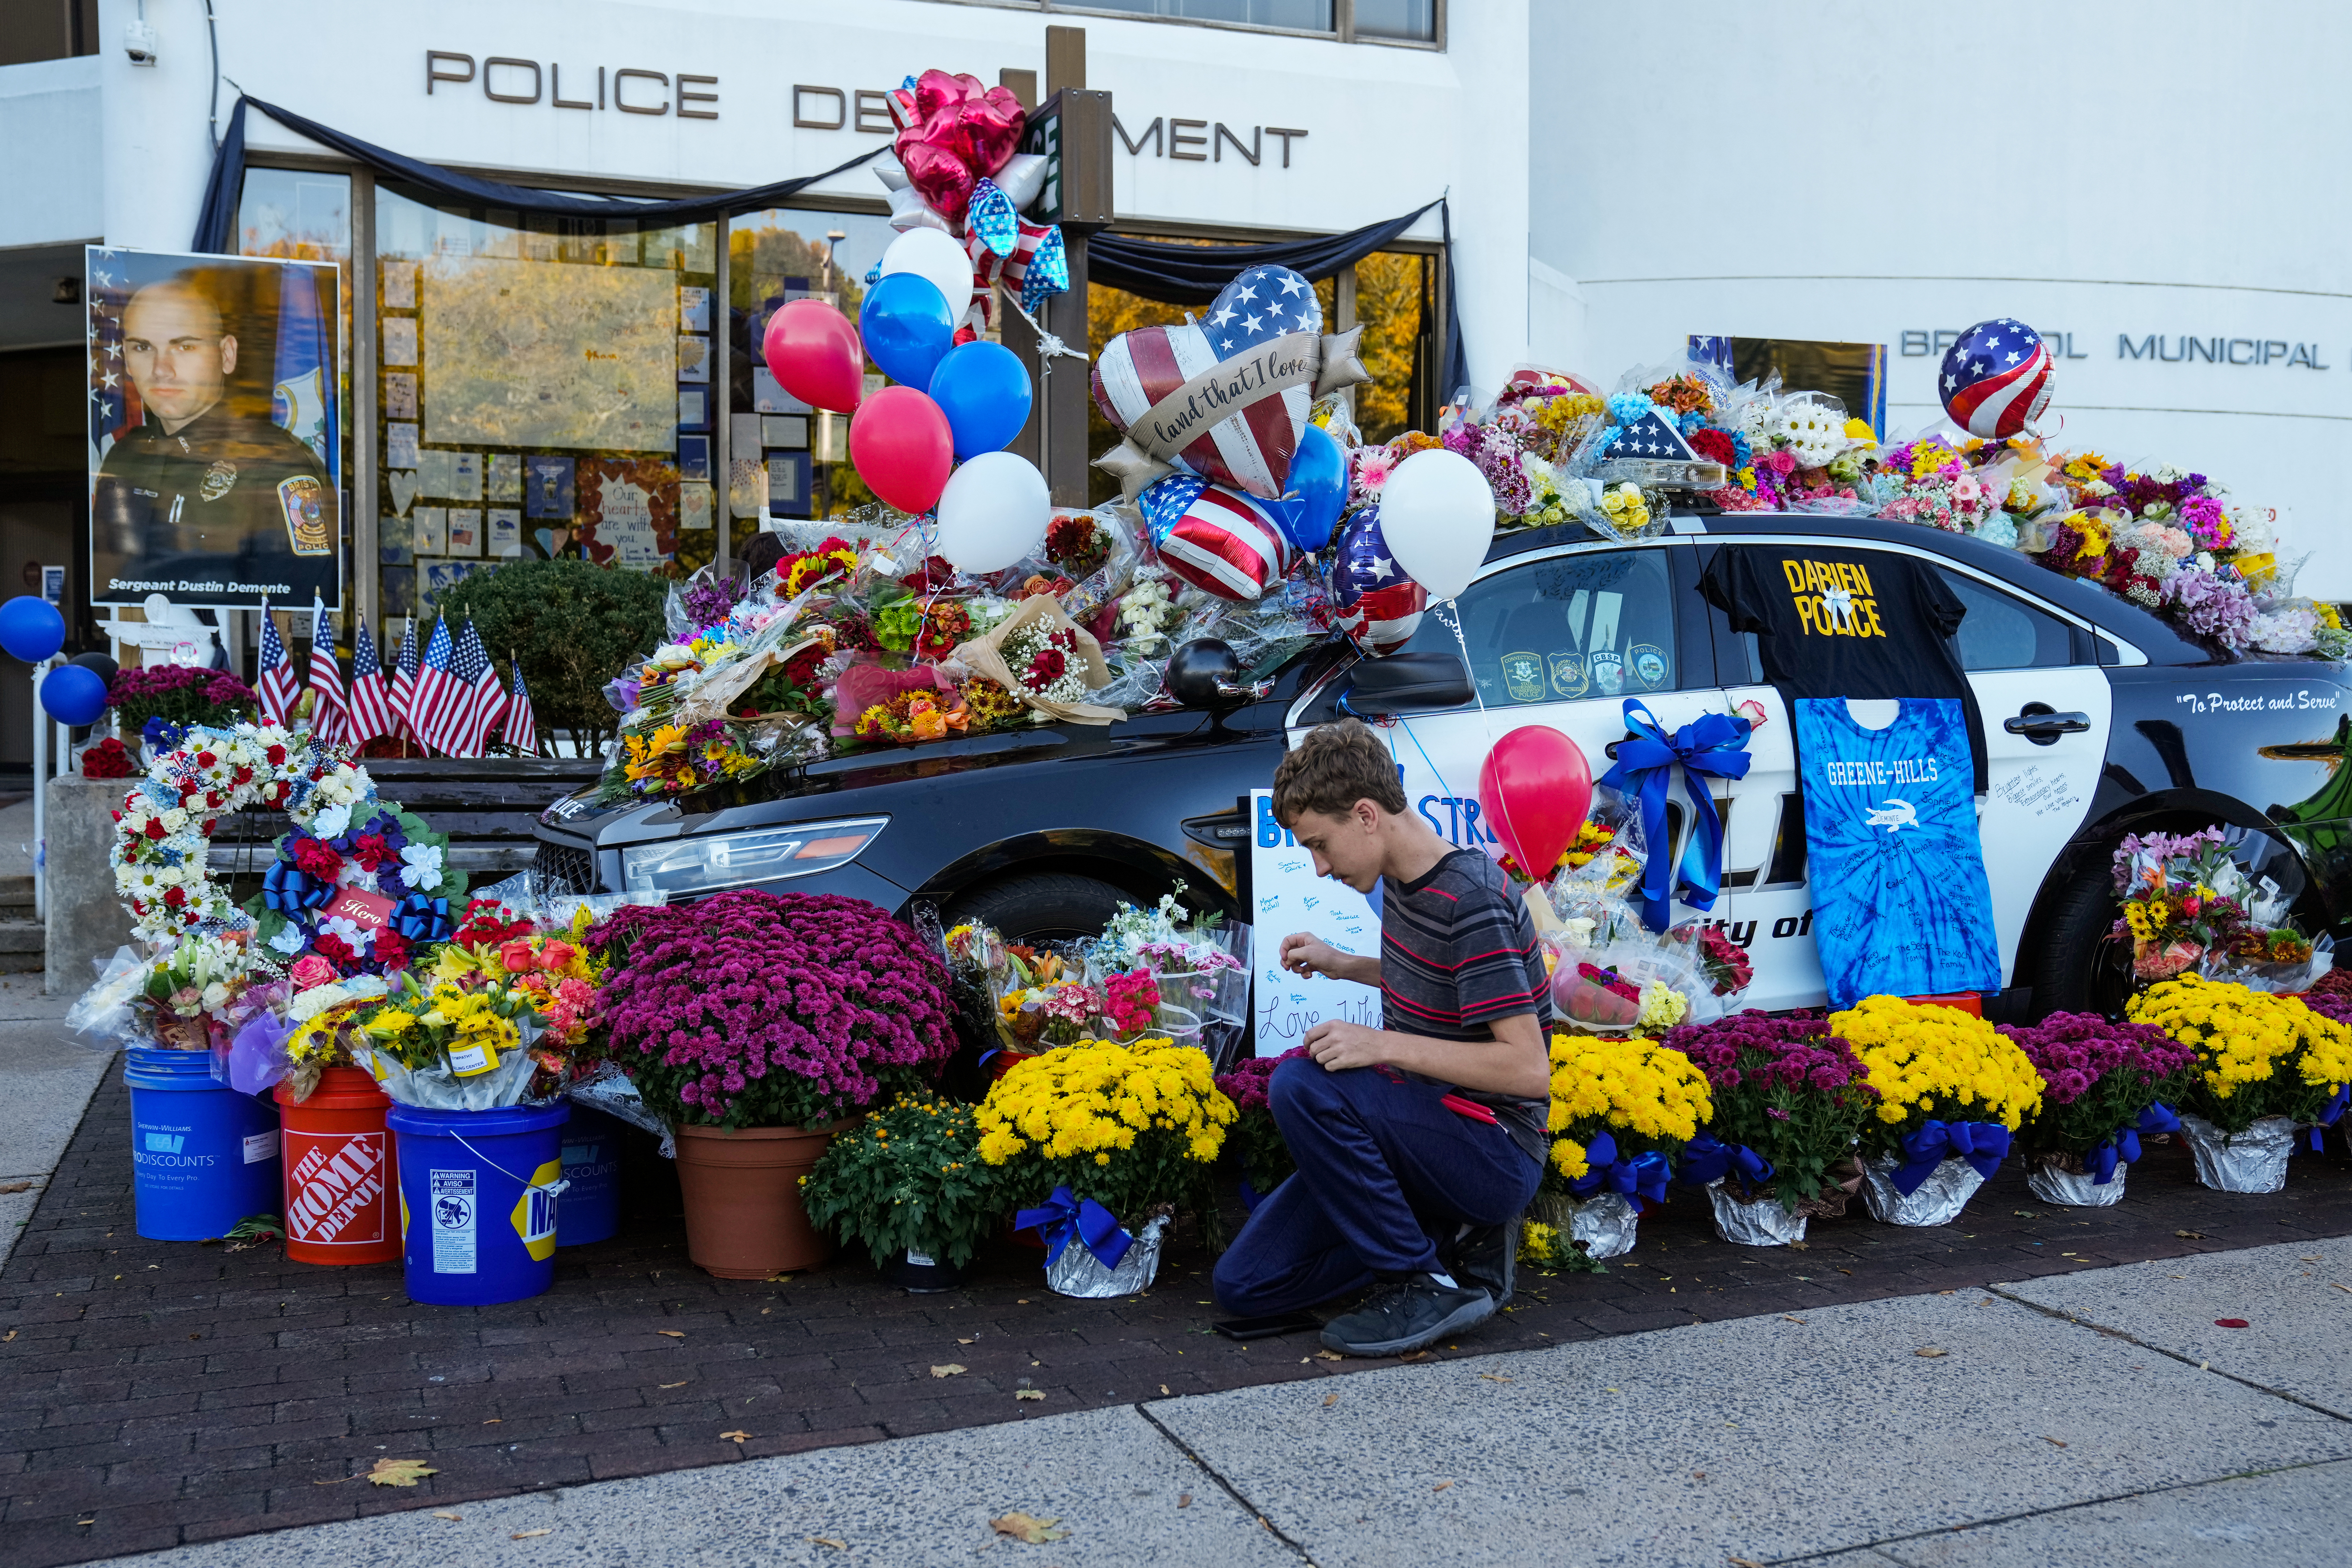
(303, 500)
(217, 479)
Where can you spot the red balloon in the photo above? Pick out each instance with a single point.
(813, 351)
(1536, 788)
(901, 447)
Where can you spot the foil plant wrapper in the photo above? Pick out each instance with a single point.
(1604, 1224)
(1761, 1224)
(2074, 1189)
(1938, 1200)
(1078, 1273)
(2251, 1161)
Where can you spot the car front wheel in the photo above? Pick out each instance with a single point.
(1043, 907)
(2082, 967)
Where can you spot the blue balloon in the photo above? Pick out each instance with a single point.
(73, 694)
(1318, 492)
(30, 628)
(983, 388)
(907, 327)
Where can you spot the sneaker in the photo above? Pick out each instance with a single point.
(1486, 1255)
(1406, 1314)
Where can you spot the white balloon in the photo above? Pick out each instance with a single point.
(1437, 515)
(993, 512)
(932, 253)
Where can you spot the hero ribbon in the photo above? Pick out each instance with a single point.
(1715, 743)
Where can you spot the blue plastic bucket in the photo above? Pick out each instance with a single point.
(203, 1156)
(590, 1209)
(478, 1201)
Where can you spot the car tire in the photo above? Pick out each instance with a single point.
(2082, 967)
(1044, 906)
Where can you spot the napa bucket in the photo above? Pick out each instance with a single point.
(203, 1156)
(478, 1201)
(343, 1172)
(590, 1209)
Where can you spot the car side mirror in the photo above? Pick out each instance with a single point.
(1405, 683)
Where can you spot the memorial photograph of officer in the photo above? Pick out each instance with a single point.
(200, 491)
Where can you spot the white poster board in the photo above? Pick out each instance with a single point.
(1287, 896)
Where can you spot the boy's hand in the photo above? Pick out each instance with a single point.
(1305, 954)
(1336, 1046)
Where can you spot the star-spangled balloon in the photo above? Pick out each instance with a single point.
(1995, 381)
(1372, 596)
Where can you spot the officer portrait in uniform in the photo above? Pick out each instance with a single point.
(206, 498)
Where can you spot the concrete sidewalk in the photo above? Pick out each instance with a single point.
(46, 1077)
(2099, 1416)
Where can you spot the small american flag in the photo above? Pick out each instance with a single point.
(370, 714)
(481, 696)
(436, 705)
(522, 725)
(276, 687)
(327, 715)
(404, 683)
(1653, 436)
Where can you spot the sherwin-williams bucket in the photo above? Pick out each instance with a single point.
(342, 1169)
(478, 1201)
(203, 1156)
(590, 1209)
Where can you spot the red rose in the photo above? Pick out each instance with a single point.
(173, 897)
(243, 775)
(390, 948)
(205, 759)
(154, 826)
(334, 949)
(277, 756)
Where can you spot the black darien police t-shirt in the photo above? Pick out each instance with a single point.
(1832, 622)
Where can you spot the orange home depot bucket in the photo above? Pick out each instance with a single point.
(343, 1172)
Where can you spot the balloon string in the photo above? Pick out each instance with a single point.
(1449, 615)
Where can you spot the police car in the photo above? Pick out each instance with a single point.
(2100, 719)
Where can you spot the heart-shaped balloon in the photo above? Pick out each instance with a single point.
(957, 134)
(1226, 396)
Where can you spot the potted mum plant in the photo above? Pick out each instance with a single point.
(2266, 1064)
(1791, 1100)
(908, 1184)
(2102, 1084)
(1109, 1143)
(158, 701)
(757, 1024)
(1952, 1092)
(1622, 1109)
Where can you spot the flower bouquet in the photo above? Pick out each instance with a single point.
(193, 982)
(908, 1185)
(1791, 1100)
(1043, 660)
(756, 1024)
(158, 701)
(1952, 1090)
(1188, 964)
(2103, 1086)
(1254, 1141)
(1108, 1142)
(2266, 1064)
(2189, 904)
(453, 1040)
(1622, 1110)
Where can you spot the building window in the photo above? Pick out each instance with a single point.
(1413, 20)
(544, 389)
(786, 459)
(1291, 16)
(1366, 21)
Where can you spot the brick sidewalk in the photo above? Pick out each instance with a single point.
(235, 1392)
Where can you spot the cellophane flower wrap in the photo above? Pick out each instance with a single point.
(1254, 1141)
(2258, 1055)
(1136, 1127)
(2187, 903)
(1649, 1099)
(2098, 1077)
(763, 1010)
(558, 976)
(907, 1178)
(1790, 1089)
(1935, 1064)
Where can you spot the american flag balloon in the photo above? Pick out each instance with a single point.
(1996, 379)
(1225, 543)
(1375, 601)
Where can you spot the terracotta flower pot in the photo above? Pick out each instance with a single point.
(743, 1190)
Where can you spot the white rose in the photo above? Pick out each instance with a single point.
(215, 996)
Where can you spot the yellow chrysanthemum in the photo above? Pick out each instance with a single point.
(1940, 1062)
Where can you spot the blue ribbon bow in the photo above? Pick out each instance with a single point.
(1714, 744)
(1981, 1144)
(1251, 1197)
(1065, 1216)
(423, 919)
(289, 890)
(1707, 1159)
(1642, 1178)
(2122, 1145)
(2329, 1113)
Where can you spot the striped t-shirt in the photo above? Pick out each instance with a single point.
(1457, 953)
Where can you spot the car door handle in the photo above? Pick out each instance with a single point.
(2046, 726)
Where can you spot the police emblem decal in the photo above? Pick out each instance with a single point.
(217, 479)
(1523, 677)
(303, 500)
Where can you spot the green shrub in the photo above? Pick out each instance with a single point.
(573, 625)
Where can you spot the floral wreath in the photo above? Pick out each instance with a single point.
(344, 837)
